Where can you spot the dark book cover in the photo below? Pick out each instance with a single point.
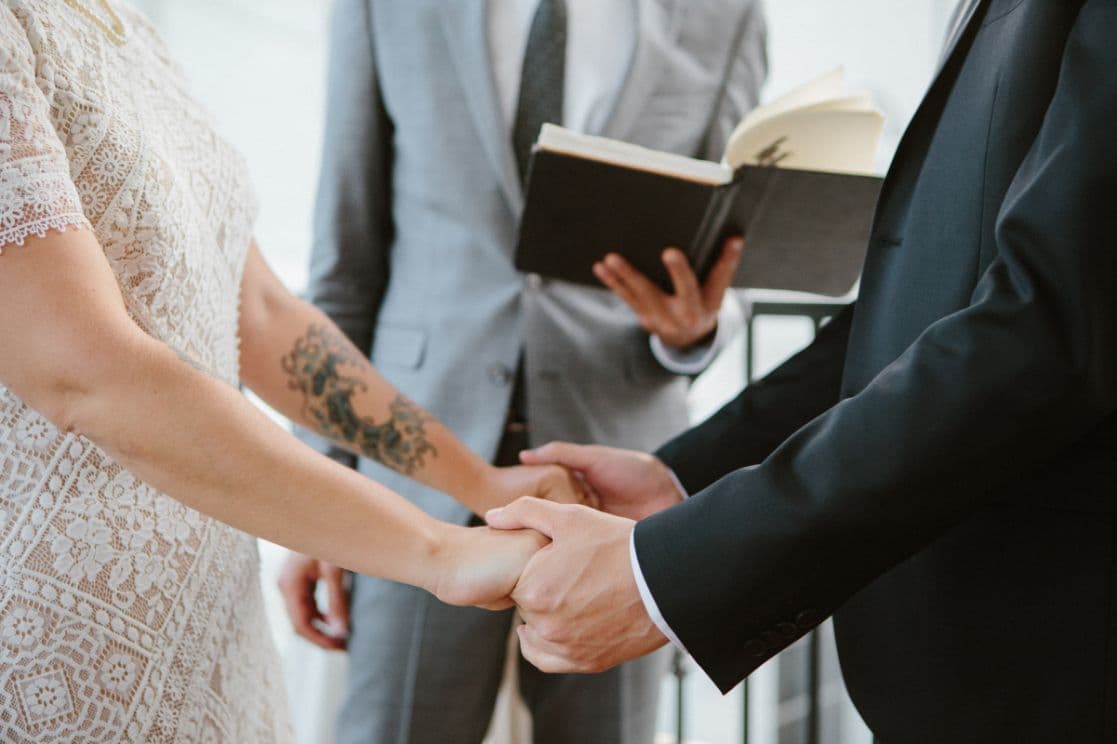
(804, 230)
(579, 210)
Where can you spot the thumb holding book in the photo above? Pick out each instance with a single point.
(689, 315)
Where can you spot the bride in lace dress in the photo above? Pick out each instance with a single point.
(132, 304)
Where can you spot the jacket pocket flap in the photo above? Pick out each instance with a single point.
(401, 346)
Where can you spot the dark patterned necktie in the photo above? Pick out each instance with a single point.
(542, 79)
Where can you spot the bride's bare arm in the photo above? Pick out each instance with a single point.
(69, 350)
(300, 363)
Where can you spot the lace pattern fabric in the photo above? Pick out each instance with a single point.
(36, 193)
(124, 615)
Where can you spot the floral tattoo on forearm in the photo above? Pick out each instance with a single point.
(313, 369)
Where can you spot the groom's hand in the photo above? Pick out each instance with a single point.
(328, 627)
(626, 483)
(577, 596)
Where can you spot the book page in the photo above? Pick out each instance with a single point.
(823, 88)
(853, 102)
(819, 139)
(558, 139)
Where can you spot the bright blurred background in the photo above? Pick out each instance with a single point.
(259, 67)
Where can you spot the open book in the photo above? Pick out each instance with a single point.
(795, 179)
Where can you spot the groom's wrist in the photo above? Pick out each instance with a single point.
(679, 495)
(670, 494)
(650, 605)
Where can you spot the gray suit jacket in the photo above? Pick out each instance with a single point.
(419, 203)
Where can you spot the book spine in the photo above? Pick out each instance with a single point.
(711, 231)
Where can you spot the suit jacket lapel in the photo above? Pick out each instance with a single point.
(961, 20)
(905, 163)
(465, 23)
(657, 26)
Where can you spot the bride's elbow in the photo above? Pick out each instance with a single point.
(65, 398)
(73, 386)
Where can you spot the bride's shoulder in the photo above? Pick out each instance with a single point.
(27, 16)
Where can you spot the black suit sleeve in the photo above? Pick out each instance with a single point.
(751, 426)
(1023, 372)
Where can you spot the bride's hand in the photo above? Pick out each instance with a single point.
(480, 566)
(550, 482)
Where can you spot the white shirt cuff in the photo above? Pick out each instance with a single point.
(647, 598)
(695, 359)
(683, 495)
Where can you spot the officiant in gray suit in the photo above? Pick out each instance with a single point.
(433, 108)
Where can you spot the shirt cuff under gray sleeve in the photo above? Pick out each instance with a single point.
(695, 359)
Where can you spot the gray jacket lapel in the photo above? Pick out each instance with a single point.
(658, 23)
(465, 23)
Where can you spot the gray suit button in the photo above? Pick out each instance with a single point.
(501, 375)
(534, 281)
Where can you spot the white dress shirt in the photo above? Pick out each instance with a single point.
(650, 605)
(600, 40)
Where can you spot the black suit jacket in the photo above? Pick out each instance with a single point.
(939, 470)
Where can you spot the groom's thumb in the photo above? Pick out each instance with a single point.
(526, 513)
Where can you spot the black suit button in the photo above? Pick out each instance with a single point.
(807, 619)
(756, 649)
(789, 631)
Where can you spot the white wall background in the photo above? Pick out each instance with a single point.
(259, 66)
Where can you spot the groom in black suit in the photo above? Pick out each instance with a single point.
(939, 469)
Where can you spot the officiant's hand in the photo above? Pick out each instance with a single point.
(686, 317)
(626, 483)
(578, 597)
(326, 627)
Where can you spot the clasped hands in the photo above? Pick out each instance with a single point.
(578, 595)
(564, 563)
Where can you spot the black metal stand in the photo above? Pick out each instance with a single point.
(818, 312)
(814, 653)
(678, 668)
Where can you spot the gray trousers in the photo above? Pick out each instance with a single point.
(422, 672)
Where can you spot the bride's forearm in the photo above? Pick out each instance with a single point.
(202, 442)
(300, 363)
(69, 350)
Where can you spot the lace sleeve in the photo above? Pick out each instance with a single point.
(36, 190)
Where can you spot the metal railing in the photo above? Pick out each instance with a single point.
(818, 311)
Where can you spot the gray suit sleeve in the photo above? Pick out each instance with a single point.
(352, 218)
(745, 73)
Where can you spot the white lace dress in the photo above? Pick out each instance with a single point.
(124, 616)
